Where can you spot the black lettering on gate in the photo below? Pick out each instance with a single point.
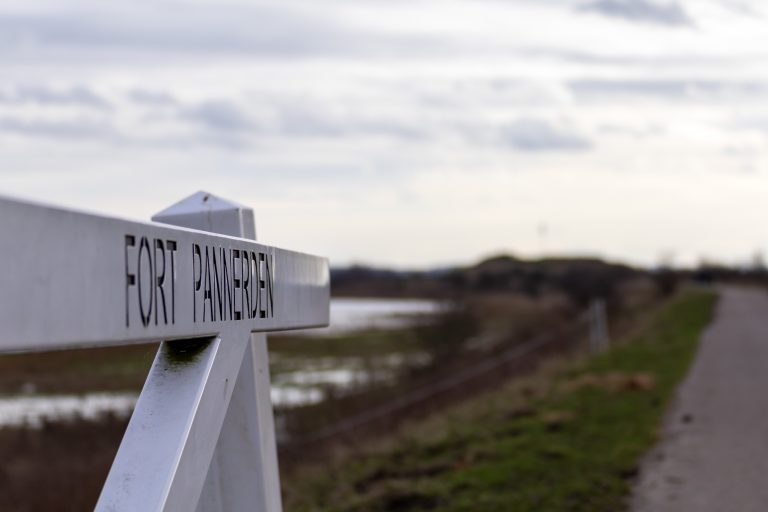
(159, 281)
(262, 285)
(207, 288)
(144, 247)
(218, 286)
(256, 297)
(267, 283)
(197, 279)
(236, 283)
(245, 275)
(172, 248)
(130, 279)
(150, 274)
(226, 285)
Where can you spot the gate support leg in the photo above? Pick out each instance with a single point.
(202, 435)
(163, 459)
(244, 472)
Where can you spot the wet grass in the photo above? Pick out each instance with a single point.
(125, 368)
(290, 353)
(564, 443)
(62, 466)
(76, 371)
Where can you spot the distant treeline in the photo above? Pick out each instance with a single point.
(580, 279)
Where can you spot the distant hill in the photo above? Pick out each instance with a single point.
(578, 278)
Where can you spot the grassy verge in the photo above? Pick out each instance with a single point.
(571, 443)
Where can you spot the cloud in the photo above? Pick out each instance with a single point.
(539, 135)
(64, 130)
(303, 122)
(309, 122)
(151, 97)
(148, 29)
(45, 95)
(637, 132)
(287, 118)
(669, 89)
(646, 11)
(219, 115)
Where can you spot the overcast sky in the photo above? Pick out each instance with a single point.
(403, 132)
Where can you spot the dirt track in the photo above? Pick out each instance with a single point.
(713, 455)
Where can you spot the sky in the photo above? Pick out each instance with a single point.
(400, 133)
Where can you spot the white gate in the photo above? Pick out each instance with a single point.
(202, 434)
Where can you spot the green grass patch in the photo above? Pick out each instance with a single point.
(572, 447)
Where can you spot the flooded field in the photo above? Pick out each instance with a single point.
(350, 315)
(34, 411)
(306, 367)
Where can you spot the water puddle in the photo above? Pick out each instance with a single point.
(307, 384)
(34, 411)
(292, 390)
(350, 315)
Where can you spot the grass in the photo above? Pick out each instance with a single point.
(568, 443)
(371, 342)
(125, 368)
(62, 466)
(290, 353)
(76, 371)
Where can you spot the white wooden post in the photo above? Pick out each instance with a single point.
(598, 326)
(202, 436)
(243, 474)
(594, 340)
(603, 323)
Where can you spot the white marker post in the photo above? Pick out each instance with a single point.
(202, 435)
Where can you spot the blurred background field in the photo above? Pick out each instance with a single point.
(401, 346)
(617, 148)
(567, 436)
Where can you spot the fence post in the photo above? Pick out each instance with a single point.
(243, 474)
(599, 339)
(213, 412)
(206, 399)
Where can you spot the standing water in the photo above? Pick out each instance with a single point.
(349, 315)
(290, 389)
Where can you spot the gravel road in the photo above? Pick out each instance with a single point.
(713, 455)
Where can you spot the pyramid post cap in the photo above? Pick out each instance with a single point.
(206, 212)
(199, 202)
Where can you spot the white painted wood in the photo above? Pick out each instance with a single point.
(74, 279)
(208, 405)
(163, 459)
(202, 434)
(243, 474)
